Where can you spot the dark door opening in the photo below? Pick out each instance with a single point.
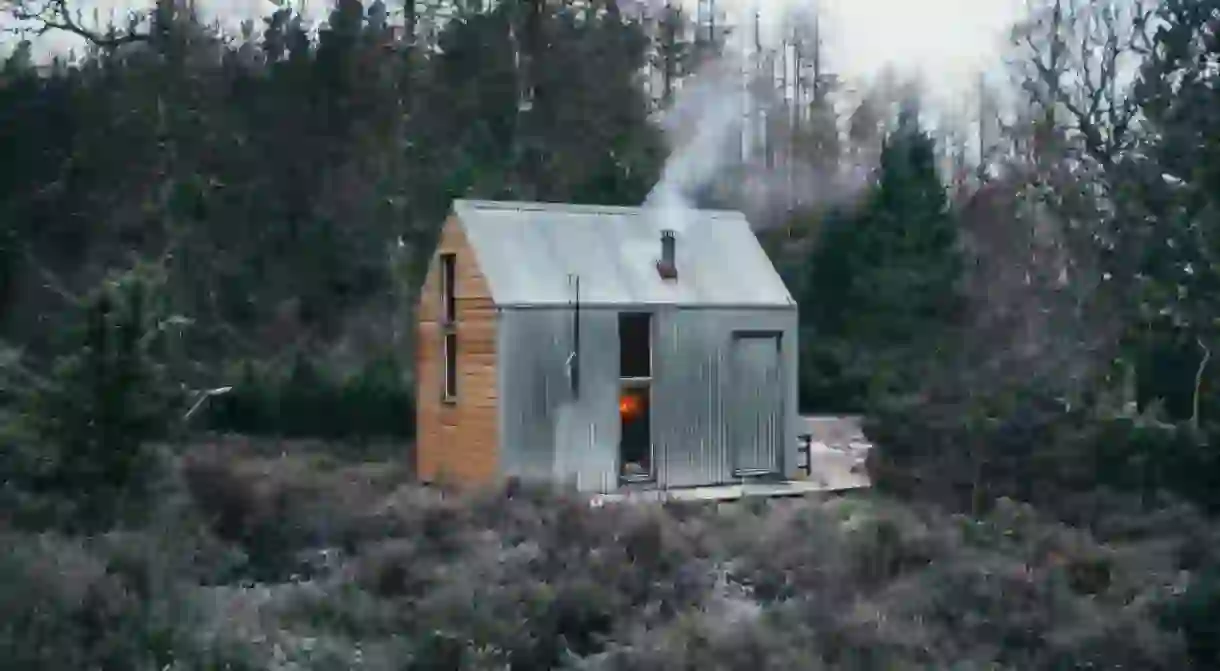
(635, 396)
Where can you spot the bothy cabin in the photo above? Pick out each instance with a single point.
(592, 346)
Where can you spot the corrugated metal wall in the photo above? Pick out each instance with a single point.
(546, 434)
(695, 391)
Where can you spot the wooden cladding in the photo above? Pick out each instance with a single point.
(457, 362)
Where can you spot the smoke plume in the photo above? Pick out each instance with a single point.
(706, 115)
(705, 128)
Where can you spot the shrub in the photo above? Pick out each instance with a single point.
(1197, 615)
(883, 585)
(700, 639)
(534, 577)
(105, 403)
(277, 509)
(862, 583)
(307, 402)
(968, 453)
(520, 578)
(65, 605)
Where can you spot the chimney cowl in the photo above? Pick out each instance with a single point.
(667, 266)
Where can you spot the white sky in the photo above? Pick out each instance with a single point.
(946, 42)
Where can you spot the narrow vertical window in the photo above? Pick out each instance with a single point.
(635, 396)
(450, 366)
(448, 302)
(449, 326)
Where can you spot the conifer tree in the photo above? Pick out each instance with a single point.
(883, 280)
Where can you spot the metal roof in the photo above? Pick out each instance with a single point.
(527, 251)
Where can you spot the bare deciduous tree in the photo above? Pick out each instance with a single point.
(1043, 234)
(44, 16)
(1077, 58)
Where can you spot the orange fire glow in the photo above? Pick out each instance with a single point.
(630, 405)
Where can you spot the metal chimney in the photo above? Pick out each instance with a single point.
(667, 267)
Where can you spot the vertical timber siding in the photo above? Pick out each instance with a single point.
(457, 441)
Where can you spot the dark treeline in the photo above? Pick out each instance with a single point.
(285, 184)
(272, 180)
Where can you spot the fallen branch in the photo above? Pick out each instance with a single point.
(1194, 413)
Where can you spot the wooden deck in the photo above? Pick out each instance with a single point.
(836, 464)
(731, 492)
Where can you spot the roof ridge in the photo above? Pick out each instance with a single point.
(576, 208)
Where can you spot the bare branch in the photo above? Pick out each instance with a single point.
(57, 15)
(10, 362)
(1207, 356)
(51, 281)
(1078, 55)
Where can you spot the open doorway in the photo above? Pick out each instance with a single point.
(635, 397)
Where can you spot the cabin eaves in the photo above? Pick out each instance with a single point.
(529, 253)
